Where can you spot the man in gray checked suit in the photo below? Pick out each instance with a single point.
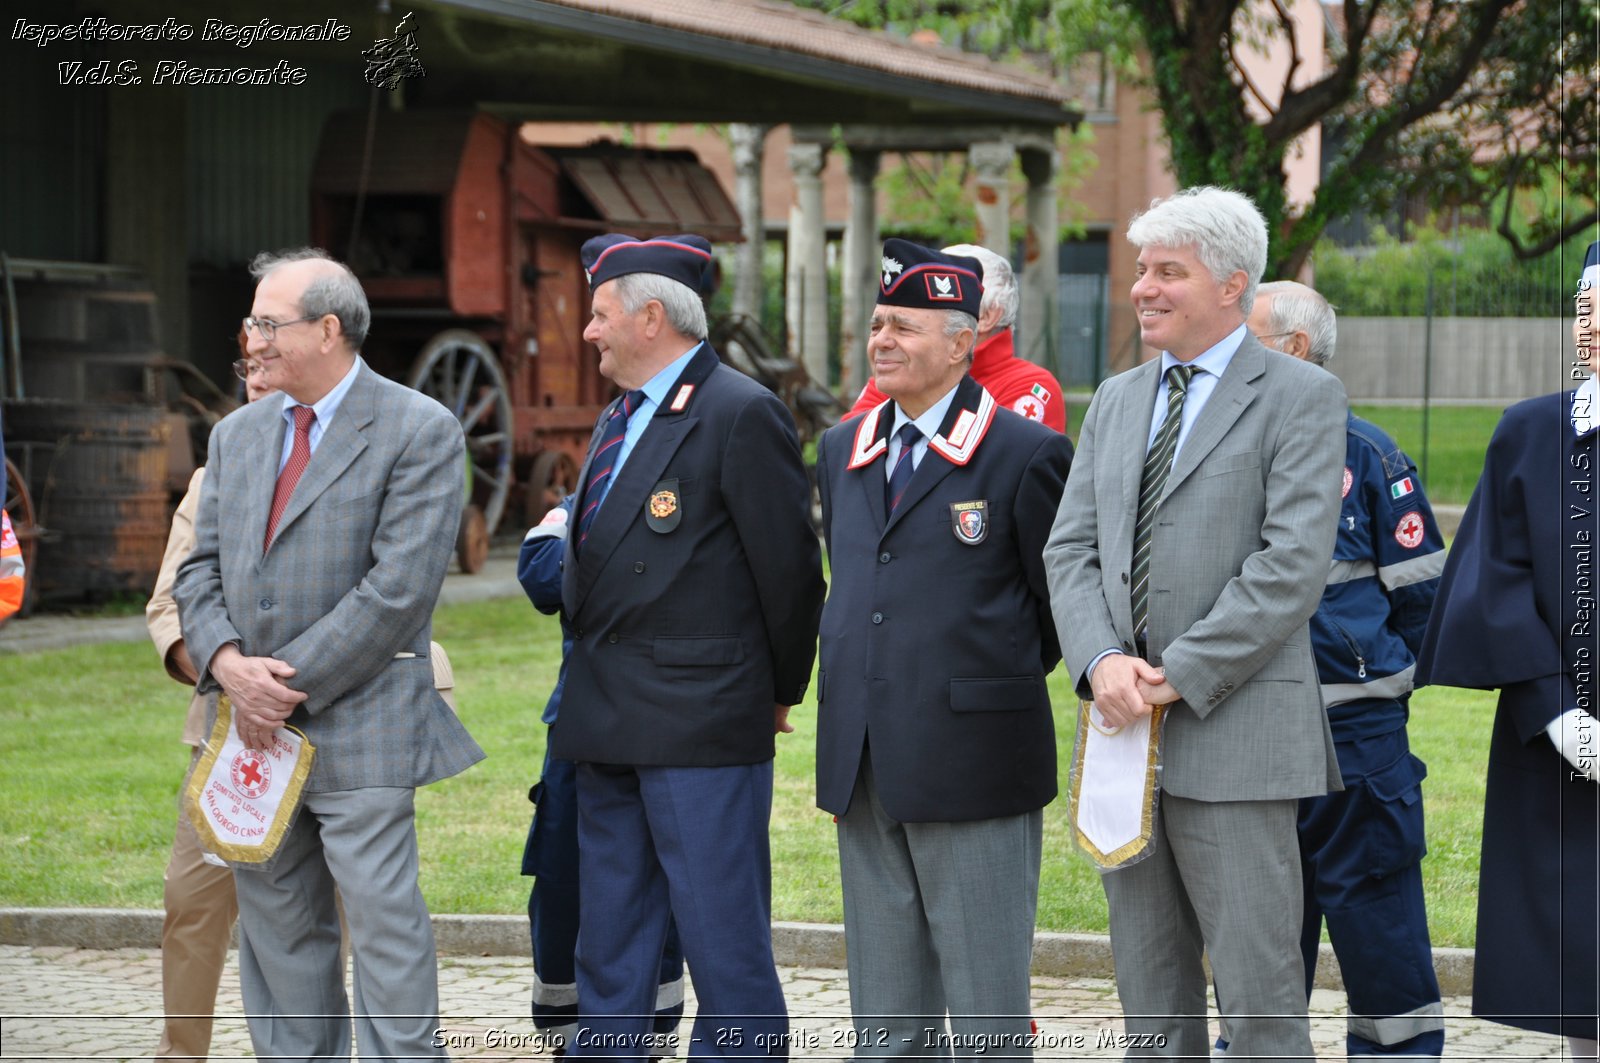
(1188, 554)
(325, 526)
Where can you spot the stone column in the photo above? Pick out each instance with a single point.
(1039, 329)
(991, 160)
(808, 263)
(749, 147)
(859, 280)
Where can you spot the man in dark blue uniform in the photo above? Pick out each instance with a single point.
(692, 584)
(1516, 612)
(1361, 848)
(551, 852)
(935, 743)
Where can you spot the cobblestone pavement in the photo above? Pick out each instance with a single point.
(87, 1004)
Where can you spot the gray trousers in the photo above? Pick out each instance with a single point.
(938, 917)
(1223, 879)
(290, 973)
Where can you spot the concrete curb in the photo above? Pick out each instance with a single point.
(1055, 955)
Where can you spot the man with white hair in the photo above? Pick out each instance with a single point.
(692, 583)
(1361, 848)
(1187, 556)
(1017, 384)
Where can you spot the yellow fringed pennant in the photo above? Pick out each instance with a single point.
(242, 801)
(1114, 786)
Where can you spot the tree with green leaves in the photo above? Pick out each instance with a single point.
(1486, 103)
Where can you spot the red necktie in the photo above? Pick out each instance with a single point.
(299, 458)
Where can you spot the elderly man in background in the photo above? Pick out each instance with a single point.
(935, 741)
(325, 526)
(1187, 557)
(1361, 848)
(1016, 383)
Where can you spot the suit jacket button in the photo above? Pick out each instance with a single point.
(885, 557)
(877, 618)
(638, 566)
(266, 603)
(578, 634)
(1124, 577)
(613, 638)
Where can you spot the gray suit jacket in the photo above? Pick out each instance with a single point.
(349, 583)
(1238, 558)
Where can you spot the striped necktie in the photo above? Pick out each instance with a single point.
(604, 462)
(1157, 464)
(299, 458)
(901, 475)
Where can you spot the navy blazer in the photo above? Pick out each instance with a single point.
(937, 636)
(1515, 611)
(693, 604)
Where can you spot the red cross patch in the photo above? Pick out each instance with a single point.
(1408, 533)
(1349, 481)
(1029, 407)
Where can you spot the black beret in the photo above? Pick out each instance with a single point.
(919, 276)
(685, 259)
(1589, 279)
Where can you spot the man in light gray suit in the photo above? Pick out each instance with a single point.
(325, 526)
(1186, 558)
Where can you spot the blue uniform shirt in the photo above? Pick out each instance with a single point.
(1386, 565)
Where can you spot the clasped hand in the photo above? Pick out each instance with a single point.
(1127, 687)
(255, 686)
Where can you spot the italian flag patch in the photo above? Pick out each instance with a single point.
(1401, 488)
(1040, 392)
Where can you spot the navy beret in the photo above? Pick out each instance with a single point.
(686, 259)
(919, 276)
(1589, 279)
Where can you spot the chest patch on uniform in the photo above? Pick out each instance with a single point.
(663, 510)
(1408, 533)
(970, 521)
(1349, 480)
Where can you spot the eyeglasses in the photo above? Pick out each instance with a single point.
(269, 328)
(245, 366)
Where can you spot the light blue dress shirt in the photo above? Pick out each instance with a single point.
(323, 408)
(1209, 366)
(655, 391)
(928, 424)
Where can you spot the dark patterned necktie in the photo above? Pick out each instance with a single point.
(604, 462)
(901, 476)
(1157, 464)
(299, 458)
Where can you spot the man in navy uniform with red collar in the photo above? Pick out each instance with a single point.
(692, 585)
(935, 743)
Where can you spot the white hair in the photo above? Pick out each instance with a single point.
(1296, 308)
(999, 282)
(685, 310)
(1224, 227)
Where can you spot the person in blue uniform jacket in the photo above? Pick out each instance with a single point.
(1516, 612)
(692, 584)
(935, 742)
(551, 852)
(1361, 848)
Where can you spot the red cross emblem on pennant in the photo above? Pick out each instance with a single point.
(250, 773)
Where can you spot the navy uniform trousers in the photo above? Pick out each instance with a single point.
(1361, 855)
(551, 856)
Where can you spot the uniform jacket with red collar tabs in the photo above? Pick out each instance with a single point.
(693, 603)
(937, 636)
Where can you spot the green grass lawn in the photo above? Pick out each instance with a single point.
(89, 740)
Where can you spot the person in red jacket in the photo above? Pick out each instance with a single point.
(1016, 383)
